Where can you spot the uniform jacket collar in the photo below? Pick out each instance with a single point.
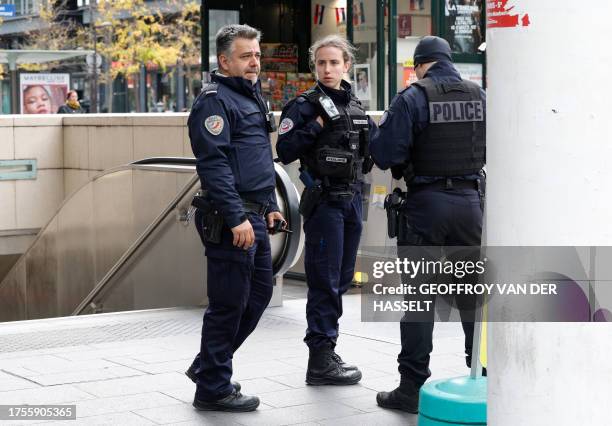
(340, 96)
(443, 70)
(238, 84)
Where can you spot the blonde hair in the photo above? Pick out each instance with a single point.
(334, 40)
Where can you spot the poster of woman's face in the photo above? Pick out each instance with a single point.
(43, 93)
(362, 81)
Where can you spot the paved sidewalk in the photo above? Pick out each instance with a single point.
(127, 368)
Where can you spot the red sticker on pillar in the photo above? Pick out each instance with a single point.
(499, 15)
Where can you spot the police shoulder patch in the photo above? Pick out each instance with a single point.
(214, 124)
(285, 126)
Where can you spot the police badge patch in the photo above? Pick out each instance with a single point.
(285, 126)
(214, 124)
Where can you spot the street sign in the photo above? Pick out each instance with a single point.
(7, 10)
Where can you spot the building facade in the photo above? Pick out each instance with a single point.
(385, 33)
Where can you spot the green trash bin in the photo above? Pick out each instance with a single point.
(457, 401)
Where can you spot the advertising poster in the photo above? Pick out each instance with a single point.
(404, 25)
(417, 4)
(463, 25)
(409, 75)
(42, 93)
(281, 57)
(472, 72)
(362, 82)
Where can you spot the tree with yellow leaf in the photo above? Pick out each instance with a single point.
(129, 34)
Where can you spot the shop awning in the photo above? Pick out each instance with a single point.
(17, 56)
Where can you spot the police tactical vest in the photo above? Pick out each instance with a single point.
(453, 144)
(338, 151)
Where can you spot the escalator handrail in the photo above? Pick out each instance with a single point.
(178, 161)
(127, 255)
(136, 165)
(292, 246)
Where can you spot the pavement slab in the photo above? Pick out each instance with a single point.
(128, 368)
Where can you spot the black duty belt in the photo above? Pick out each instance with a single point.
(446, 184)
(338, 195)
(256, 208)
(201, 201)
(340, 191)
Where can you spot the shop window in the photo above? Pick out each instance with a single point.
(414, 21)
(463, 25)
(218, 19)
(280, 80)
(25, 7)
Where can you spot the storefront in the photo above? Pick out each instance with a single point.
(383, 64)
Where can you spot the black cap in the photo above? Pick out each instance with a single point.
(430, 49)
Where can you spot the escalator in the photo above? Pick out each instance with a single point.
(126, 241)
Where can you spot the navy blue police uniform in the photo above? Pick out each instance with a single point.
(333, 226)
(230, 140)
(433, 135)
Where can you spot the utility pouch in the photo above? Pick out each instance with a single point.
(392, 217)
(212, 220)
(212, 227)
(310, 198)
(394, 204)
(364, 151)
(335, 163)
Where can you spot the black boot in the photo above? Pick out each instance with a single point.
(405, 397)
(344, 364)
(191, 373)
(234, 402)
(323, 369)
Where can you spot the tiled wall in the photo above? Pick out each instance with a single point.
(70, 150)
(30, 203)
(96, 143)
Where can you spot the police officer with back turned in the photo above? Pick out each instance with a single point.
(432, 135)
(229, 128)
(326, 128)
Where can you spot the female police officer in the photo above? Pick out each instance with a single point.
(328, 131)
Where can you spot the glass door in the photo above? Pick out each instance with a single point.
(215, 14)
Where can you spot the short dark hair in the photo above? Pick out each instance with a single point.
(228, 33)
(70, 92)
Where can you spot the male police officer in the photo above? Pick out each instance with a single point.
(229, 129)
(433, 135)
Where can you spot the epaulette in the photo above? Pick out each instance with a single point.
(209, 89)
